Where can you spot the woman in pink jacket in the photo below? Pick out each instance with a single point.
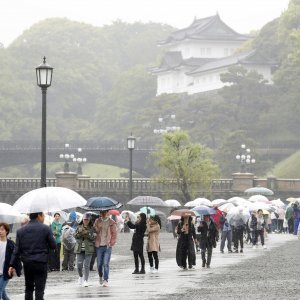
(153, 247)
(106, 236)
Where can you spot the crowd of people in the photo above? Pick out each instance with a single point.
(38, 246)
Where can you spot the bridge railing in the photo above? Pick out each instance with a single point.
(23, 184)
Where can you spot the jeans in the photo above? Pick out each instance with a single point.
(207, 260)
(296, 224)
(103, 259)
(35, 279)
(226, 235)
(84, 260)
(3, 283)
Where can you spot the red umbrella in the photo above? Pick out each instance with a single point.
(183, 213)
(114, 212)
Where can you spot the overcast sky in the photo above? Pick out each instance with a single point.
(242, 15)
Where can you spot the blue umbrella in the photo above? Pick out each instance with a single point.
(148, 211)
(203, 210)
(101, 203)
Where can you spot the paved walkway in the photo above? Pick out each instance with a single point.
(170, 280)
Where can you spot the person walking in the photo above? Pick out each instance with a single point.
(56, 227)
(68, 242)
(296, 217)
(153, 246)
(106, 237)
(185, 249)
(33, 242)
(238, 233)
(84, 248)
(6, 250)
(226, 233)
(209, 238)
(137, 245)
(257, 223)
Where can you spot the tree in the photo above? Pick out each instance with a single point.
(189, 164)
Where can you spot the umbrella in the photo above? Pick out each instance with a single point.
(259, 205)
(226, 206)
(148, 211)
(8, 214)
(259, 190)
(293, 200)
(238, 215)
(172, 203)
(131, 214)
(101, 204)
(202, 201)
(203, 210)
(237, 201)
(48, 199)
(114, 212)
(183, 213)
(147, 201)
(173, 217)
(259, 198)
(218, 202)
(278, 203)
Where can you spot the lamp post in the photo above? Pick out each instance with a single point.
(79, 161)
(44, 79)
(244, 158)
(130, 146)
(66, 157)
(168, 120)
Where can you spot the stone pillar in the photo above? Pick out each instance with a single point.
(242, 181)
(272, 183)
(67, 180)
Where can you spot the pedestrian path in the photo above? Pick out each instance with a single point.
(169, 280)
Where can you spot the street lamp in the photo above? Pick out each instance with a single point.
(44, 79)
(244, 158)
(130, 146)
(66, 157)
(168, 128)
(79, 161)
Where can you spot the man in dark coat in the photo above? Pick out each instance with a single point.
(33, 242)
(208, 239)
(186, 243)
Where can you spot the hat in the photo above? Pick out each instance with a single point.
(86, 216)
(72, 216)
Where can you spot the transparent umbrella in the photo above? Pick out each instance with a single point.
(8, 214)
(147, 201)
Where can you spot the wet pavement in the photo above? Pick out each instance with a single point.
(170, 282)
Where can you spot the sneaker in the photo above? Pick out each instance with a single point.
(85, 284)
(254, 246)
(101, 280)
(154, 271)
(192, 268)
(230, 251)
(151, 269)
(264, 246)
(105, 283)
(236, 251)
(222, 251)
(207, 266)
(80, 281)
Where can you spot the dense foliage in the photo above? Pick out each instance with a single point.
(103, 90)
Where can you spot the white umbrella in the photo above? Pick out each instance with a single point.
(147, 201)
(259, 198)
(259, 205)
(198, 202)
(237, 201)
(131, 214)
(8, 214)
(238, 215)
(172, 203)
(48, 199)
(218, 202)
(226, 206)
(278, 203)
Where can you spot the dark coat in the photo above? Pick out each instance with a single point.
(32, 243)
(8, 253)
(138, 236)
(209, 235)
(186, 241)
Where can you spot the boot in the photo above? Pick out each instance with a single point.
(136, 272)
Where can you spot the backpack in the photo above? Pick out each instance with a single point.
(68, 238)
